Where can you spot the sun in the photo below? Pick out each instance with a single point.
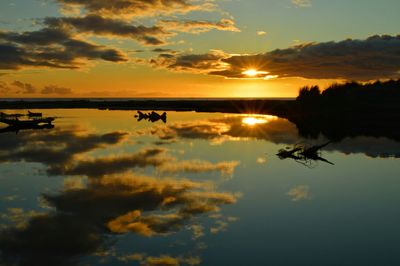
(254, 73)
(250, 73)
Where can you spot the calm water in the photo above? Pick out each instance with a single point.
(203, 189)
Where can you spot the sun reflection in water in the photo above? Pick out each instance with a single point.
(252, 121)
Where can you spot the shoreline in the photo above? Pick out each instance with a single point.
(311, 119)
(253, 106)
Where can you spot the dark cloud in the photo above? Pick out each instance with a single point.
(374, 58)
(98, 25)
(150, 157)
(53, 89)
(163, 50)
(59, 43)
(45, 36)
(49, 47)
(53, 148)
(155, 35)
(83, 219)
(111, 165)
(199, 26)
(200, 63)
(19, 87)
(124, 202)
(133, 8)
(62, 150)
(49, 239)
(370, 146)
(26, 88)
(4, 87)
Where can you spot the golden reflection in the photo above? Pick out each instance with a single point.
(252, 121)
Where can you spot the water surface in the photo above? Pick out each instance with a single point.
(101, 188)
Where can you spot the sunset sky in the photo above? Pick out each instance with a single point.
(193, 48)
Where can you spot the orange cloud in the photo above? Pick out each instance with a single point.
(198, 26)
(373, 58)
(138, 8)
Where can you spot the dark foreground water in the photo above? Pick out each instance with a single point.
(101, 188)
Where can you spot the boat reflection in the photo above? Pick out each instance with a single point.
(151, 117)
(17, 129)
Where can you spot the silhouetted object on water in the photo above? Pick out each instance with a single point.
(16, 129)
(152, 117)
(31, 114)
(304, 154)
(10, 116)
(31, 122)
(35, 121)
(313, 149)
(289, 153)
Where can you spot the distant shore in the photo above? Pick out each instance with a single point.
(253, 106)
(341, 110)
(331, 119)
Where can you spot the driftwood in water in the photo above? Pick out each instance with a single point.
(283, 154)
(304, 154)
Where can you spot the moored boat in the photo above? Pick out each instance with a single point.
(30, 122)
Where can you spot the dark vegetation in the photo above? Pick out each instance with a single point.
(352, 96)
(350, 109)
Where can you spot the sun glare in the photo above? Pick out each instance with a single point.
(251, 72)
(252, 121)
(254, 73)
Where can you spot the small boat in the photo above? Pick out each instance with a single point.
(10, 116)
(32, 114)
(32, 122)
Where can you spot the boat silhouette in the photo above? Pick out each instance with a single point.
(18, 128)
(31, 122)
(35, 121)
(32, 114)
(10, 116)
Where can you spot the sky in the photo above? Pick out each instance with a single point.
(193, 48)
